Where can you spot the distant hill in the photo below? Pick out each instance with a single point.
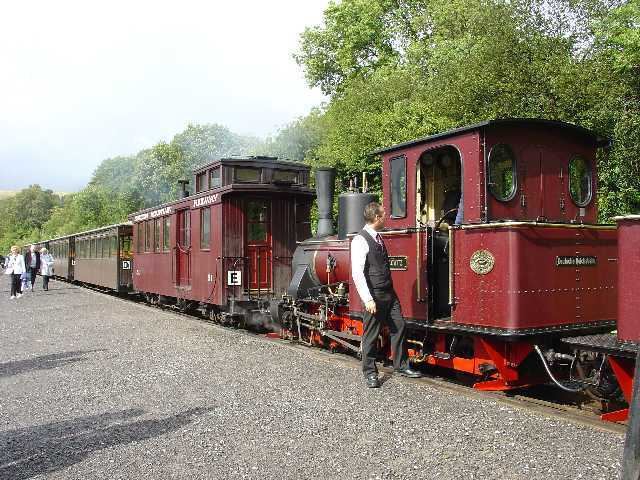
(10, 193)
(7, 193)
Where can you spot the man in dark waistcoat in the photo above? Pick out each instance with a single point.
(372, 277)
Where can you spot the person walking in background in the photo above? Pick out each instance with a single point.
(46, 267)
(32, 262)
(15, 268)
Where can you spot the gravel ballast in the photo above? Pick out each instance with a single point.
(97, 387)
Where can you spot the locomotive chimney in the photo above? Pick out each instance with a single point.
(325, 184)
(183, 188)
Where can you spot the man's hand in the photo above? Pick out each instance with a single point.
(370, 307)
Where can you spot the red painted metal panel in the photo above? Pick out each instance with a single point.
(542, 160)
(629, 278)
(525, 289)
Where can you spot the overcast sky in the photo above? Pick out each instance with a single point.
(82, 81)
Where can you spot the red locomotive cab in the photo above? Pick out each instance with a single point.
(493, 242)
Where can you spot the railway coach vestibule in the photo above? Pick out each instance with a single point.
(227, 248)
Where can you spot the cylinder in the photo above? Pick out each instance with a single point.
(351, 212)
(325, 185)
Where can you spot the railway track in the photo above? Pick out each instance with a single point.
(543, 401)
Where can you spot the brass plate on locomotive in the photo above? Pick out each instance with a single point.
(576, 261)
(398, 263)
(482, 262)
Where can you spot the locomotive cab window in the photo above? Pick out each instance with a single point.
(580, 180)
(502, 172)
(399, 187)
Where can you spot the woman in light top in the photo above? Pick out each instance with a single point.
(46, 267)
(15, 268)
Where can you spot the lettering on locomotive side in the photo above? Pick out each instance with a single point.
(576, 261)
(208, 200)
(398, 263)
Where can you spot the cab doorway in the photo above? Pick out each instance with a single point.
(439, 205)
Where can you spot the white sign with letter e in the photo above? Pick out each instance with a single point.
(234, 277)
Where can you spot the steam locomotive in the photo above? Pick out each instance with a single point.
(501, 270)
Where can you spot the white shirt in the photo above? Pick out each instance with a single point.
(359, 251)
(15, 265)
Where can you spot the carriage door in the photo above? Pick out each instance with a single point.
(258, 222)
(183, 248)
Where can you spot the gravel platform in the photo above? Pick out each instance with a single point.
(93, 387)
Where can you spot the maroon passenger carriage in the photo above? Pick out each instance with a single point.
(226, 249)
(495, 253)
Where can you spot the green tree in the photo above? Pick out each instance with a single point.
(400, 70)
(202, 144)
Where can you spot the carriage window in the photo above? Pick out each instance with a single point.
(257, 217)
(156, 235)
(185, 229)
(114, 246)
(216, 179)
(205, 227)
(140, 238)
(285, 176)
(247, 175)
(165, 233)
(125, 246)
(147, 236)
(201, 182)
(399, 187)
(502, 172)
(580, 181)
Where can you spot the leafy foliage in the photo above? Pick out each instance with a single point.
(400, 70)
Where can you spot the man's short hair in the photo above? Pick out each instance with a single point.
(371, 211)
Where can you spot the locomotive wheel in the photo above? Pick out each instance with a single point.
(183, 304)
(607, 388)
(214, 315)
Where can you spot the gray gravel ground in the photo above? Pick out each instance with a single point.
(95, 387)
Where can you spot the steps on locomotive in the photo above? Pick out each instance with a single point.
(605, 343)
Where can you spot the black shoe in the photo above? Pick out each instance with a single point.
(372, 381)
(407, 372)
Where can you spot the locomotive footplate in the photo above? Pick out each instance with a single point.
(447, 326)
(607, 343)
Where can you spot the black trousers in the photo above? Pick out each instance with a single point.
(387, 312)
(45, 282)
(34, 273)
(16, 284)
